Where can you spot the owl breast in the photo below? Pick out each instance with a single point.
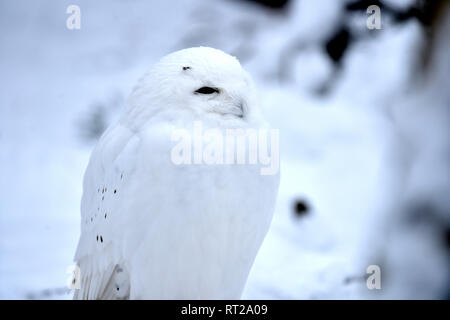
(199, 224)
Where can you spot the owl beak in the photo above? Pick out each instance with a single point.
(238, 109)
(234, 105)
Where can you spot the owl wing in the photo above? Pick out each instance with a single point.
(102, 272)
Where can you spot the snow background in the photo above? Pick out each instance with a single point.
(346, 153)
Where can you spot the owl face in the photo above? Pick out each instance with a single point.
(222, 97)
(203, 80)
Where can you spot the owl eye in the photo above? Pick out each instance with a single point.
(207, 90)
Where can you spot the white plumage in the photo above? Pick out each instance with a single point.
(152, 229)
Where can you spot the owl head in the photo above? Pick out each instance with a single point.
(202, 81)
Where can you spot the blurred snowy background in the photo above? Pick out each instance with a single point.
(363, 117)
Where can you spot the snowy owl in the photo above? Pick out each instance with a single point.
(155, 228)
